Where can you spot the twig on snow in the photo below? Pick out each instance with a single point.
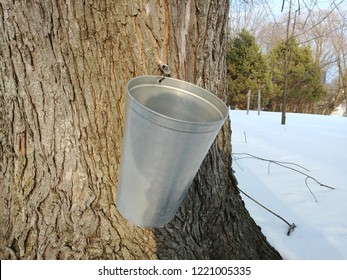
(285, 165)
(291, 226)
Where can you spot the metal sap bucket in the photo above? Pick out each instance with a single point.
(169, 127)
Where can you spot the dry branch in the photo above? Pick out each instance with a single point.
(285, 165)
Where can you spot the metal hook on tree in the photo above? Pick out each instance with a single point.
(165, 69)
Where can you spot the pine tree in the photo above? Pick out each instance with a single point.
(304, 77)
(247, 69)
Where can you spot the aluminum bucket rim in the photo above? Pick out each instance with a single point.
(213, 100)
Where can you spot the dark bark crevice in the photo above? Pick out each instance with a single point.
(212, 222)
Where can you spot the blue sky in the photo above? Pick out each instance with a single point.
(276, 5)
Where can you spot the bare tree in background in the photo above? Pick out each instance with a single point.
(247, 15)
(339, 43)
(321, 32)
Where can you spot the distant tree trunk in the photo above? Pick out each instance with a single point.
(286, 67)
(342, 83)
(64, 67)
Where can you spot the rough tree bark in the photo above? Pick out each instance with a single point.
(64, 67)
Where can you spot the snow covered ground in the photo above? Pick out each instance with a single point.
(315, 142)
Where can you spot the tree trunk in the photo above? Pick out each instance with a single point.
(64, 67)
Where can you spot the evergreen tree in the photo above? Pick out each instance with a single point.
(304, 77)
(247, 69)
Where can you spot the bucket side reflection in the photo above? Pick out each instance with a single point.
(161, 156)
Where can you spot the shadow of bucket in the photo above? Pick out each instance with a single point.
(169, 127)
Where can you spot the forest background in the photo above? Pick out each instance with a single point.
(293, 52)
